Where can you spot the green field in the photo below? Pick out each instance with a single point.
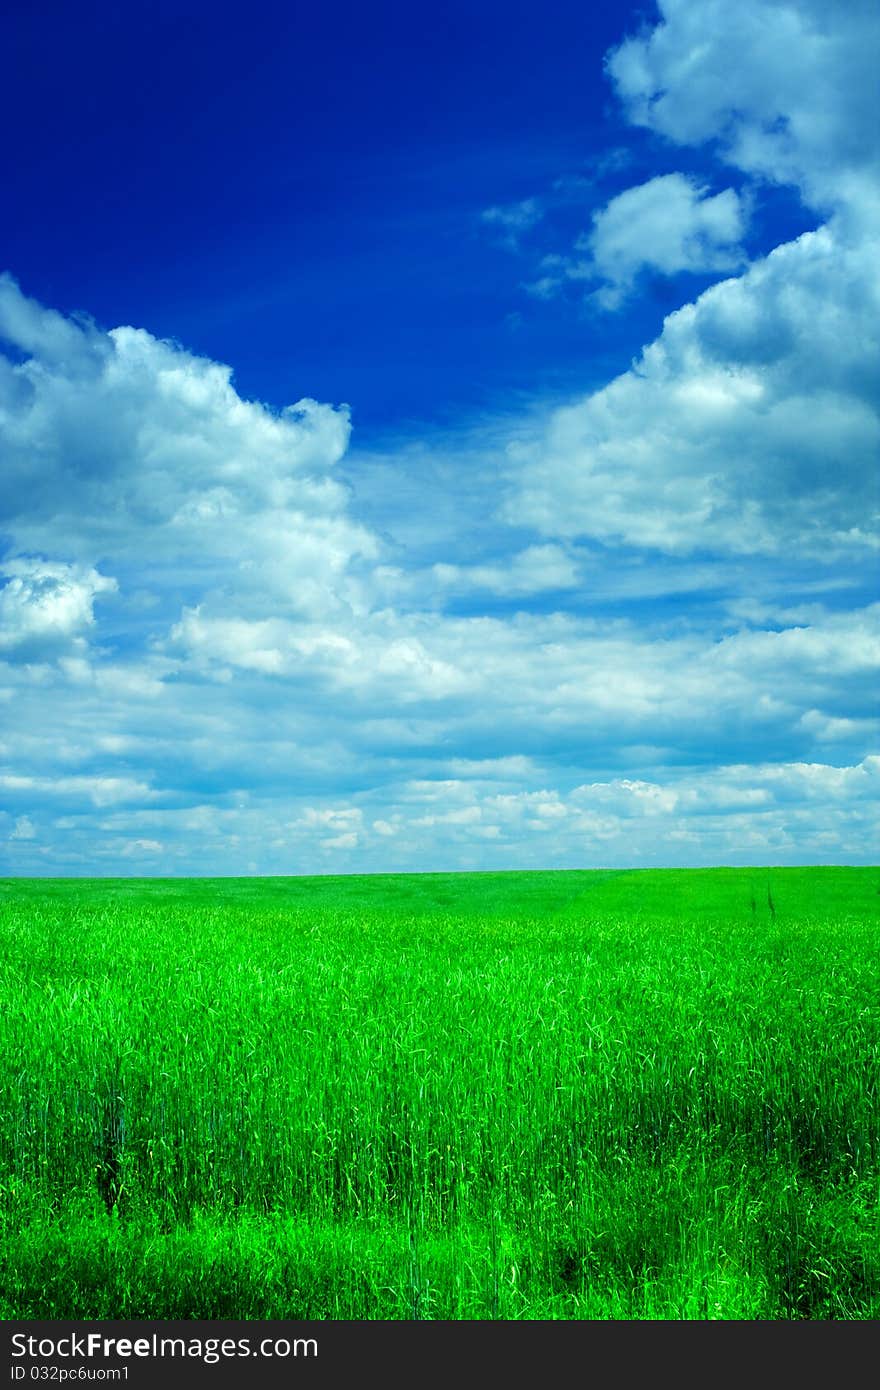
(527, 1095)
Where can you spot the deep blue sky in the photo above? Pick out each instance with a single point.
(586, 574)
(297, 190)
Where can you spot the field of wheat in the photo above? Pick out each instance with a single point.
(486, 1096)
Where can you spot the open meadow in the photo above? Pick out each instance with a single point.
(628, 1095)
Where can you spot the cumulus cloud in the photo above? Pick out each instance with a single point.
(508, 684)
(787, 88)
(232, 706)
(670, 224)
(114, 441)
(279, 686)
(45, 606)
(764, 812)
(749, 426)
(788, 806)
(383, 656)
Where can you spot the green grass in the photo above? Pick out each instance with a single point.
(541, 1095)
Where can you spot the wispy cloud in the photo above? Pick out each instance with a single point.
(512, 220)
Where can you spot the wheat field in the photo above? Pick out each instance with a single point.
(579, 1095)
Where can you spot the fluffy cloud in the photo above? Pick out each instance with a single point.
(787, 88)
(45, 607)
(265, 682)
(786, 808)
(760, 813)
(385, 657)
(117, 441)
(749, 426)
(669, 224)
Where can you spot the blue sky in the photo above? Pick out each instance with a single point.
(438, 441)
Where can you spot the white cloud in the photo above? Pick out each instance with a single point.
(786, 87)
(278, 686)
(100, 791)
(333, 818)
(670, 224)
(513, 219)
(464, 815)
(44, 605)
(510, 677)
(535, 570)
(346, 841)
(137, 849)
(749, 426)
(513, 769)
(119, 442)
(828, 728)
(545, 287)
(384, 656)
(23, 829)
(764, 813)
